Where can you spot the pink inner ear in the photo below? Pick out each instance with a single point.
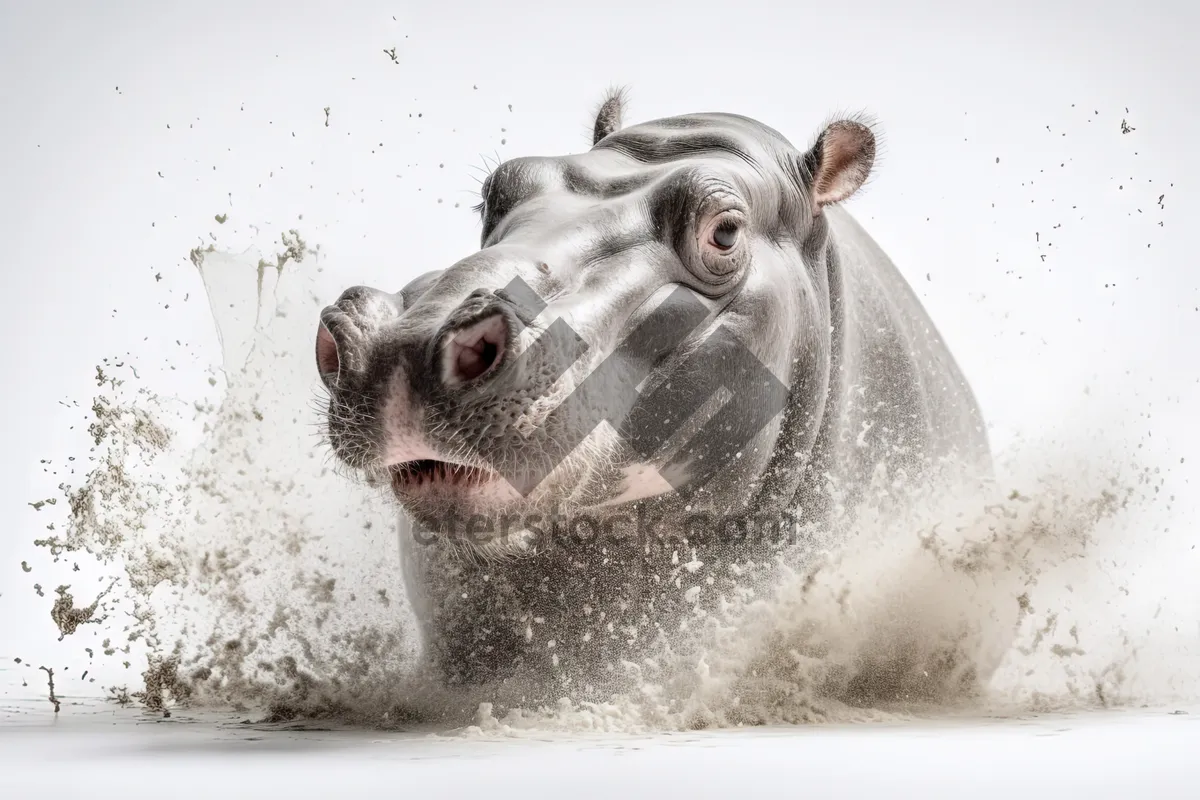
(847, 153)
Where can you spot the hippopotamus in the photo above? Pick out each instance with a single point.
(682, 323)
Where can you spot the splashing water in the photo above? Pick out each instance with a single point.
(256, 576)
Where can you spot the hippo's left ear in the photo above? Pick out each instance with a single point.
(840, 161)
(609, 115)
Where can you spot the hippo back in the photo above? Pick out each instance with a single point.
(897, 397)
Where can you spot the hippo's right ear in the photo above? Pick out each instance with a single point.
(839, 162)
(608, 116)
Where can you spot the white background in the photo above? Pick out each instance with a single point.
(1006, 191)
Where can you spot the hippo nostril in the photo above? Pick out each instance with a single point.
(475, 349)
(328, 361)
(473, 362)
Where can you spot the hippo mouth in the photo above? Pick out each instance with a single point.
(410, 476)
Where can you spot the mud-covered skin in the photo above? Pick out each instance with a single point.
(602, 238)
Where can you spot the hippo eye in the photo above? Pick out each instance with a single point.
(724, 232)
(725, 235)
(722, 255)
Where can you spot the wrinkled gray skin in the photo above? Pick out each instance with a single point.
(602, 238)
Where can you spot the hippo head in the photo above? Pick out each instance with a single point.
(646, 322)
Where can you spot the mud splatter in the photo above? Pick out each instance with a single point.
(162, 683)
(68, 618)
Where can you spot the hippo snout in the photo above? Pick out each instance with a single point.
(346, 327)
(469, 346)
(425, 391)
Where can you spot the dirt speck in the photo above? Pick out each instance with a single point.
(50, 679)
